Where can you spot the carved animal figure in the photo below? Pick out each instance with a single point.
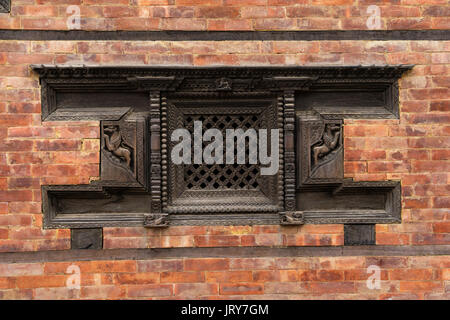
(223, 84)
(114, 143)
(330, 140)
(292, 218)
(155, 220)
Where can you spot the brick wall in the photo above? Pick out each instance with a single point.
(231, 278)
(228, 14)
(413, 150)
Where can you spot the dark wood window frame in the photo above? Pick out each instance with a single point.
(133, 107)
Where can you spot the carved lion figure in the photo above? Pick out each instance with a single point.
(114, 143)
(330, 140)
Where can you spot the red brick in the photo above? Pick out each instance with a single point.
(425, 94)
(21, 269)
(273, 275)
(251, 263)
(286, 2)
(440, 23)
(262, 12)
(191, 290)
(206, 264)
(241, 288)
(23, 183)
(136, 278)
(117, 12)
(430, 238)
(201, 60)
(275, 24)
(443, 106)
(285, 288)
(15, 120)
(7, 283)
(229, 25)
(409, 23)
(431, 166)
(392, 239)
(45, 281)
(229, 276)
(57, 145)
(391, 166)
(108, 266)
(441, 227)
(355, 167)
(103, 292)
(180, 277)
(133, 23)
(417, 286)
(365, 155)
(16, 195)
(294, 47)
(362, 274)
(414, 274)
(4, 234)
(332, 287)
(248, 240)
(217, 12)
(199, 2)
(441, 202)
(151, 290)
(387, 262)
(416, 203)
(216, 241)
(160, 265)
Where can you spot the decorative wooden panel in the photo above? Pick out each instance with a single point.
(140, 107)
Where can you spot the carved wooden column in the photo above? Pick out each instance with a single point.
(155, 219)
(155, 150)
(290, 216)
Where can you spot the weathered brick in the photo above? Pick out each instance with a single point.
(206, 264)
(241, 288)
(190, 290)
(151, 290)
(228, 276)
(136, 278)
(181, 277)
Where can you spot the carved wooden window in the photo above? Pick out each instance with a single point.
(215, 188)
(140, 107)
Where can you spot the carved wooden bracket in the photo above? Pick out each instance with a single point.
(156, 220)
(294, 218)
(140, 107)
